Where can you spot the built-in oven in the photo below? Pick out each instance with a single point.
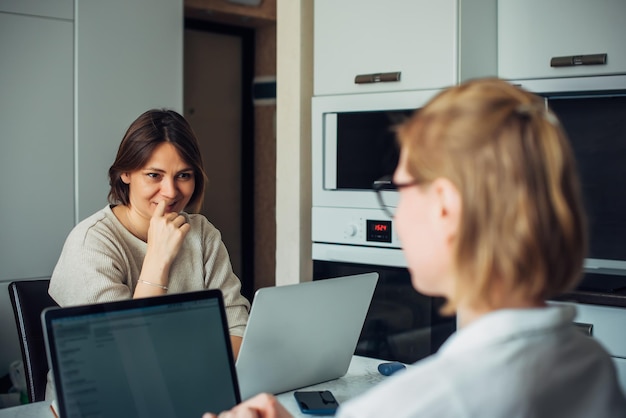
(401, 324)
(592, 110)
(353, 145)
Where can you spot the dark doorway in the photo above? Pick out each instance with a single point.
(218, 74)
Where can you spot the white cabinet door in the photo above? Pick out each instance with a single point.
(60, 9)
(36, 143)
(129, 59)
(608, 326)
(416, 38)
(532, 32)
(36, 155)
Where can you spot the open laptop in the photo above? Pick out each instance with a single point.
(302, 334)
(154, 357)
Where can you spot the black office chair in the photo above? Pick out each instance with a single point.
(29, 298)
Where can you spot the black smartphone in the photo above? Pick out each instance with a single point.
(316, 402)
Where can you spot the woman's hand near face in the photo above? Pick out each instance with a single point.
(260, 406)
(166, 233)
(165, 237)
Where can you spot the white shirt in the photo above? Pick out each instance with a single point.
(509, 363)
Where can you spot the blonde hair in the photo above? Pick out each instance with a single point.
(523, 226)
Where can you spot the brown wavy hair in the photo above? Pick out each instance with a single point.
(523, 223)
(148, 131)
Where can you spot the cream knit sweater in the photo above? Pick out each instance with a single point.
(101, 261)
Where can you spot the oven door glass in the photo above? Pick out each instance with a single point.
(365, 146)
(401, 324)
(596, 127)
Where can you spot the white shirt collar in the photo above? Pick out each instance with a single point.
(506, 324)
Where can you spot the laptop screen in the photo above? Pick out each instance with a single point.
(165, 356)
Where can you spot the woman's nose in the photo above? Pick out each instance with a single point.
(168, 187)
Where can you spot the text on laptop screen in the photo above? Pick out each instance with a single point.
(167, 360)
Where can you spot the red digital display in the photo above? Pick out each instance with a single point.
(379, 231)
(380, 227)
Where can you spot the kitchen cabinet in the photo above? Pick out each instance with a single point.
(67, 94)
(59, 9)
(36, 157)
(36, 161)
(129, 58)
(607, 326)
(532, 32)
(424, 44)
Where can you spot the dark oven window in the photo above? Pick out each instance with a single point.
(401, 324)
(596, 127)
(366, 147)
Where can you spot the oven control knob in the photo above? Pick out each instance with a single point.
(351, 230)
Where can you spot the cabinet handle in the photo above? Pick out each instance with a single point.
(377, 78)
(572, 60)
(586, 329)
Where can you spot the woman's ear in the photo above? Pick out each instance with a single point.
(125, 178)
(449, 205)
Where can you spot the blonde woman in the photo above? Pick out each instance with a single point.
(490, 217)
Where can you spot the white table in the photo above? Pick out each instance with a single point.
(362, 375)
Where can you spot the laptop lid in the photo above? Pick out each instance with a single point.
(302, 334)
(161, 356)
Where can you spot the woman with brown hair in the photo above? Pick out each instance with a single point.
(149, 240)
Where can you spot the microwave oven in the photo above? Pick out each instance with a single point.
(354, 144)
(592, 110)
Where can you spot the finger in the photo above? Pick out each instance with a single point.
(240, 412)
(264, 405)
(185, 228)
(260, 400)
(160, 209)
(179, 220)
(259, 406)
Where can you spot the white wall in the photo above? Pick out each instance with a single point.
(294, 25)
(73, 75)
(129, 58)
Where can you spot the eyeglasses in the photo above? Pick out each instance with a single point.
(386, 183)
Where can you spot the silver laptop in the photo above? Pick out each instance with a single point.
(302, 334)
(154, 357)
